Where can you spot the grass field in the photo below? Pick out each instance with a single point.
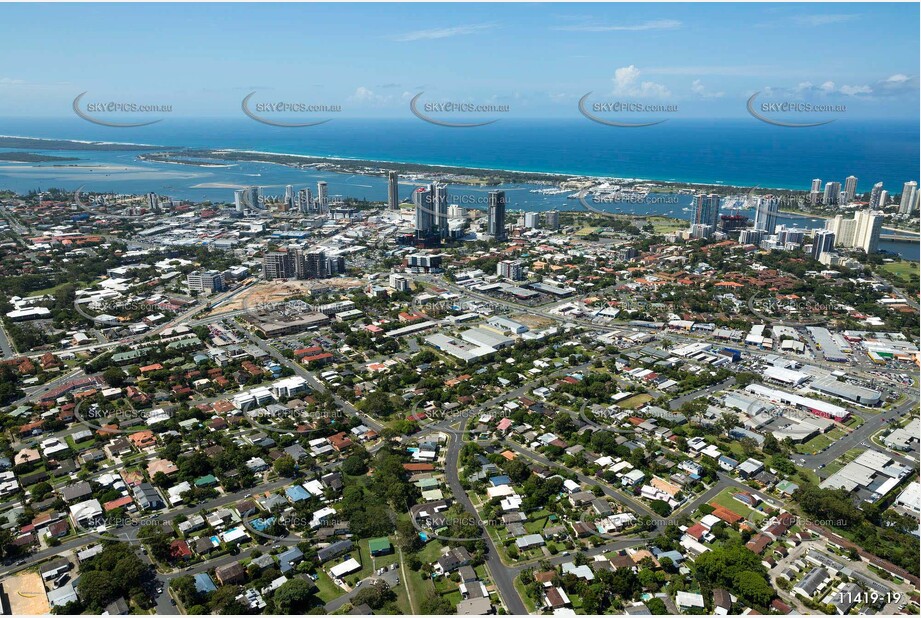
(902, 270)
(725, 499)
(634, 402)
(820, 442)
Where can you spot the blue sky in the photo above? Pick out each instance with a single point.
(538, 59)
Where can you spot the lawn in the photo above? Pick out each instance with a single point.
(636, 401)
(725, 499)
(327, 589)
(903, 270)
(820, 442)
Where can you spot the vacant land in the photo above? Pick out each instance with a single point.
(26, 593)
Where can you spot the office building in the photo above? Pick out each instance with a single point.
(875, 195)
(909, 199)
(393, 190)
(823, 241)
(832, 193)
(552, 218)
(398, 282)
(510, 269)
(205, 281)
(815, 191)
(766, 210)
(850, 189)
(423, 262)
(495, 222)
(706, 211)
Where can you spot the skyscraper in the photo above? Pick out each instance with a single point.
(305, 200)
(552, 220)
(531, 220)
(289, 197)
(823, 241)
(495, 221)
(252, 198)
(874, 195)
(850, 188)
(766, 210)
(239, 200)
(440, 203)
(867, 226)
(815, 191)
(322, 196)
(393, 190)
(909, 193)
(706, 210)
(423, 200)
(832, 192)
(883, 198)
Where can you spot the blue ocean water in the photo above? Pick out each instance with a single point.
(742, 152)
(731, 152)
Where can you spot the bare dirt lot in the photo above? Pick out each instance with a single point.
(26, 594)
(534, 322)
(277, 291)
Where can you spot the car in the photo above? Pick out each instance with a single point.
(172, 601)
(565, 553)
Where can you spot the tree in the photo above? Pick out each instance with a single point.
(355, 465)
(97, 589)
(40, 490)
(293, 595)
(285, 466)
(376, 595)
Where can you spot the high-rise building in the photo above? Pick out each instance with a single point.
(424, 203)
(706, 211)
(843, 229)
(850, 188)
(531, 220)
(883, 198)
(750, 237)
(495, 222)
(398, 282)
(909, 197)
(323, 196)
(239, 200)
(823, 241)
(205, 281)
(289, 197)
(252, 198)
(510, 269)
(393, 190)
(766, 210)
(552, 220)
(815, 191)
(874, 195)
(440, 202)
(153, 203)
(867, 228)
(278, 265)
(832, 193)
(305, 200)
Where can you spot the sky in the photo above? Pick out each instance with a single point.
(538, 59)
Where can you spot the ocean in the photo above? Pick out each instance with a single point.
(739, 152)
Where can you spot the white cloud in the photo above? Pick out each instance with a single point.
(700, 90)
(443, 33)
(656, 24)
(366, 96)
(627, 83)
(855, 90)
